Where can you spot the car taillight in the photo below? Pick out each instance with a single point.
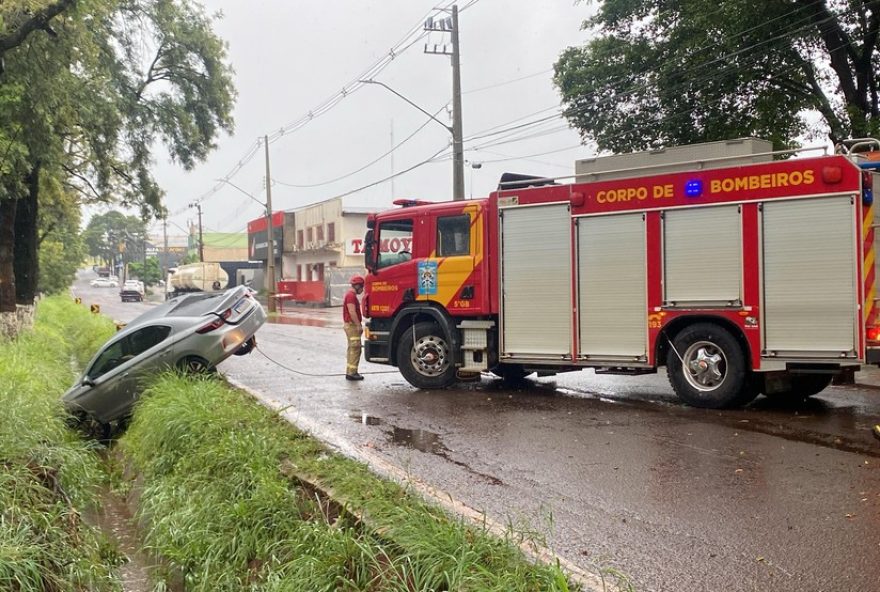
(873, 334)
(215, 324)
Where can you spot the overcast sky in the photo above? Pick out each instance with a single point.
(290, 57)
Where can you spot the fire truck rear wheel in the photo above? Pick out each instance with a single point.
(424, 357)
(711, 371)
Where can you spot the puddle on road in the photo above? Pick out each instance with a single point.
(421, 440)
(115, 521)
(302, 321)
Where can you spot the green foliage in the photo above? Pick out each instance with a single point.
(221, 508)
(61, 247)
(47, 475)
(114, 235)
(58, 265)
(660, 73)
(84, 101)
(190, 258)
(149, 275)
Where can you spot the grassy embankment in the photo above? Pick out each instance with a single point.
(229, 495)
(234, 495)
(48, 474)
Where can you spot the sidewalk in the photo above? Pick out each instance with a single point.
(292, 314)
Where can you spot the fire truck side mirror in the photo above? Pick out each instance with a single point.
(369, 263)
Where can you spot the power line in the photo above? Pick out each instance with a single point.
(369, 164)
(413, 35)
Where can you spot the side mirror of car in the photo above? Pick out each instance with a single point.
(88, 381)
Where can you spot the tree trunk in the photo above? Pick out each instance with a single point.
(7, 242)
(26, 264)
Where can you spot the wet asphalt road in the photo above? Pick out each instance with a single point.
(610, 472)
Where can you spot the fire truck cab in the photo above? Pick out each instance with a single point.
(741, 273)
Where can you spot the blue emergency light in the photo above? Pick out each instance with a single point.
(693, 188)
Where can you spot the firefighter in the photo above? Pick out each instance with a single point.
(353, 324)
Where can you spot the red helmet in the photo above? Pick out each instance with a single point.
(357, 279)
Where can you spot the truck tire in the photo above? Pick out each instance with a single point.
(424, 357)
(712, 372)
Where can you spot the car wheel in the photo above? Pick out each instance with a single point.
(707, 368)
(424, 357)
(195, 365)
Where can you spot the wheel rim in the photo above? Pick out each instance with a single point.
(704, 366)
(430, 355)
(195, 365)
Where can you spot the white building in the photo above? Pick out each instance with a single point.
(325, 235)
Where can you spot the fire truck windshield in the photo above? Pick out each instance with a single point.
(394, 242)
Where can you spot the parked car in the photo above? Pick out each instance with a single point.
(103, 282)
(132, 291)
(193, 333)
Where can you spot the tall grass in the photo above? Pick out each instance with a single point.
(219, 503)
(46, 473)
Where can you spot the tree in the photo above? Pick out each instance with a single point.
(61, 249)
(148, 272)
(95, 95)
(666, 72)
(114, 237)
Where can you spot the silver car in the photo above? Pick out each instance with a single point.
(193, 333)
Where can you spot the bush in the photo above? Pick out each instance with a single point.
(220, 502)
(46, 474)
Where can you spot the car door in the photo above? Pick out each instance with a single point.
(115, 379)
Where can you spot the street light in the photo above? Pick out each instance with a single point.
(474, 166)
(270, 240)
(457, 146)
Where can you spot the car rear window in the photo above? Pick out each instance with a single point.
(195, 305)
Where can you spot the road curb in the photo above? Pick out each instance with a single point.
(589, 581)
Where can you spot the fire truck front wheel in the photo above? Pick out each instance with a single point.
(707, 368)
(424, 357)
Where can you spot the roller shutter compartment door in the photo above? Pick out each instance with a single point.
(702, 254)
(809, 276)
(611, 276)
(536, 281)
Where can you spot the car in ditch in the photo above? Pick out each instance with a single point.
(191, 333)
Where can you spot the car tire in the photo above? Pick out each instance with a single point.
(711, 371)
(194, 365)
(424, 357)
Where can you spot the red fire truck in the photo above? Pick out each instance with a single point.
(740, 275)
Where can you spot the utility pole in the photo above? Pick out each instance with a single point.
(270, 255)
(457, 142)
(165, 248)
(450, 25)
(198, 207)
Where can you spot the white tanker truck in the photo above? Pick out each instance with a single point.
(195, 277)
